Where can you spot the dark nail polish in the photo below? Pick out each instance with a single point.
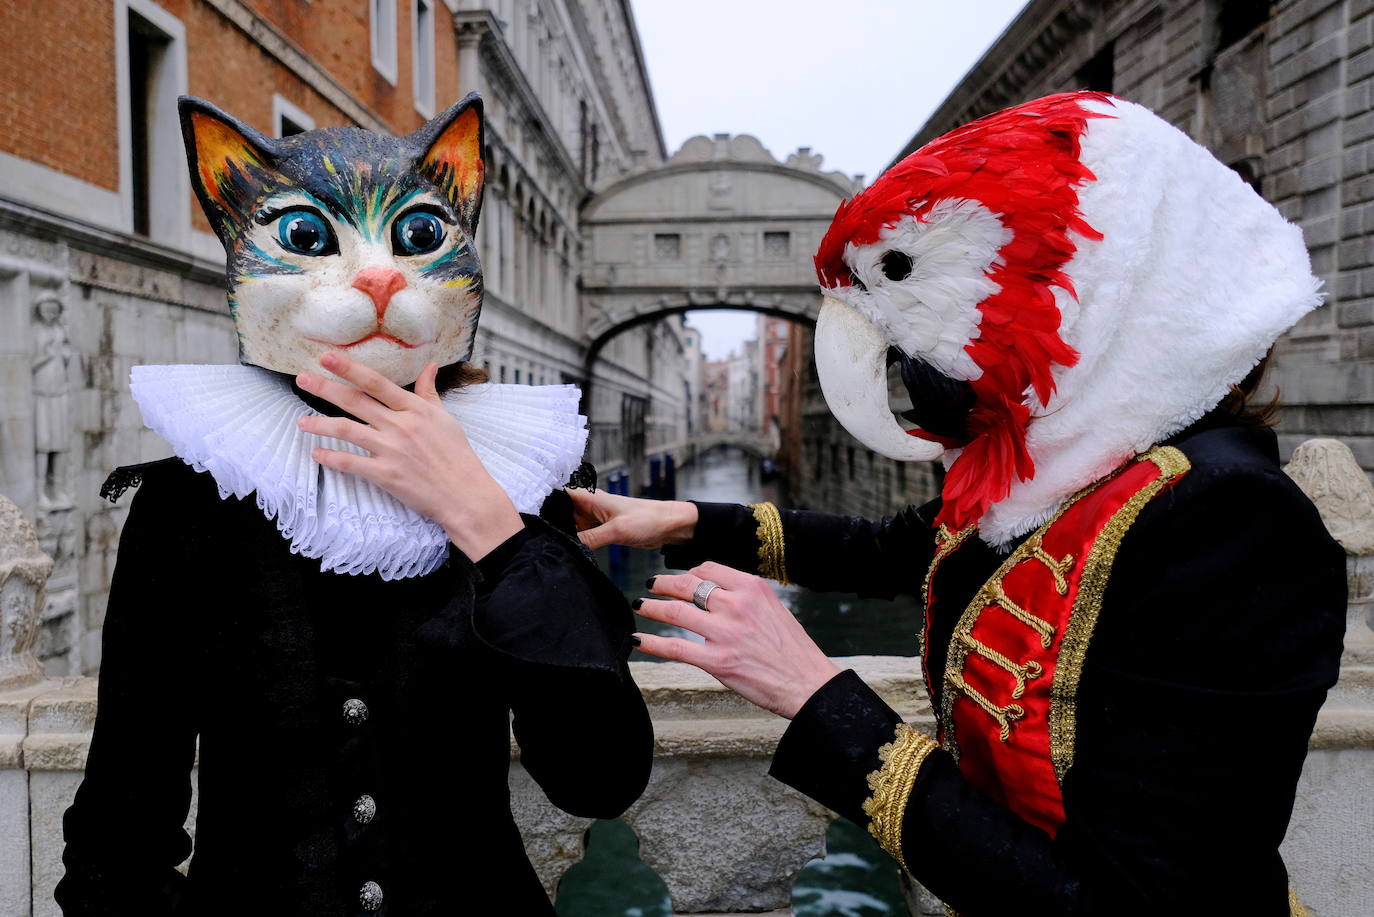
(635, 641)
(636, 604)
(649, 583)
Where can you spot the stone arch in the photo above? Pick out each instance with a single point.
(647, 239)
(801, 309)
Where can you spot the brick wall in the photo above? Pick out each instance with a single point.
(57, 87)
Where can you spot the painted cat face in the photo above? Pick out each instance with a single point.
(342, 239)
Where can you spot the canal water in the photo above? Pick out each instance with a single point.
(855, 879)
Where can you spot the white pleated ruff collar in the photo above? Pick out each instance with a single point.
(239, 424)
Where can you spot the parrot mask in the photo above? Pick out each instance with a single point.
(1064, 283)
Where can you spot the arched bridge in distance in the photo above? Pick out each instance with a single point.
(721, 225)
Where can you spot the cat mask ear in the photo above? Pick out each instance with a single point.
(451, 157)
(230, 163)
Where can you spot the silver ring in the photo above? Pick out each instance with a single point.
(702, 593)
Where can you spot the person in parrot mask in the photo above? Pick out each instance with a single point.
(1130, 615)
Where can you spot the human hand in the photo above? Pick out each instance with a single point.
(418, 452)
(603, 519)
(754, 645)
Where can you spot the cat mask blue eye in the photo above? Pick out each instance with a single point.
(304, 232)
(417, 233)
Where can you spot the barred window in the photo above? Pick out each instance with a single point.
(667, 246)
(777, 244)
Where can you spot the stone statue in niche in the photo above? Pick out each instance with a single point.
(53, 360)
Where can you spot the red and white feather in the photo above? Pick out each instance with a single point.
(1099, 279)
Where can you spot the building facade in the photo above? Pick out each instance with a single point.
(106, 261)
(1281, 91)
(773, 336)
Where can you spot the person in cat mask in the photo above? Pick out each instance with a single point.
(340, 589)
(1130, 614)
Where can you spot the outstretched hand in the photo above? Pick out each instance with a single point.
(754, 644)
(417, 451)
(603, 519)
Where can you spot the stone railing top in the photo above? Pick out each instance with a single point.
(678, 691)
(47, 726)
(696, 716)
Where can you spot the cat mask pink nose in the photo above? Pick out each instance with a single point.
(380, 284)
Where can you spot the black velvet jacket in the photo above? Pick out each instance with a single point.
(351, 730)
(1219, 635)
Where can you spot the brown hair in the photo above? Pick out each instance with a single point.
(1239, 405)
(457, 375)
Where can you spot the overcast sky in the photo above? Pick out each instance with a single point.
(852, 79)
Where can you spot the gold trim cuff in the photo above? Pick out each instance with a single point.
(772, 559)
(891, 787)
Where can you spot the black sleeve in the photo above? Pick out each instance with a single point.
(124, 831)
(1219, 636)
(559, 632)
(821, 551)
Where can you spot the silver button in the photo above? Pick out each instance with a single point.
(365, 809)
(354, 712)
(370, 896)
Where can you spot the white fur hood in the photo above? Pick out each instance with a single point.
(1194, 279)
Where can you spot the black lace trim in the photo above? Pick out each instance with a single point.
(584, 478)
(124, 477)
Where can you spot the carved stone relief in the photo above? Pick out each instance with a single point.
(722, 191)
(24, 573)
(1328, 473)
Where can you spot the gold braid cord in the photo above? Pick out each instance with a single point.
(1295, 908)
(772, 561)
(890, 787)
(1087, 605)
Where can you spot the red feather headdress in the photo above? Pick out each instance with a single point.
(1023, 164)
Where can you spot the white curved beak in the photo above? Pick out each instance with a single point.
(851, 360)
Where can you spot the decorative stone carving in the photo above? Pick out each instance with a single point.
(53, 360)
(24, 571)
(1327, 472)
(722, 187)
(805, 159)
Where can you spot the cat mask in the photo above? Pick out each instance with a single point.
(344, 239)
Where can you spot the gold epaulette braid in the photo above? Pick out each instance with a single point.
(772, 562)
(890, 786)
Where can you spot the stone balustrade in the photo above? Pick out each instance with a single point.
(724, 837)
